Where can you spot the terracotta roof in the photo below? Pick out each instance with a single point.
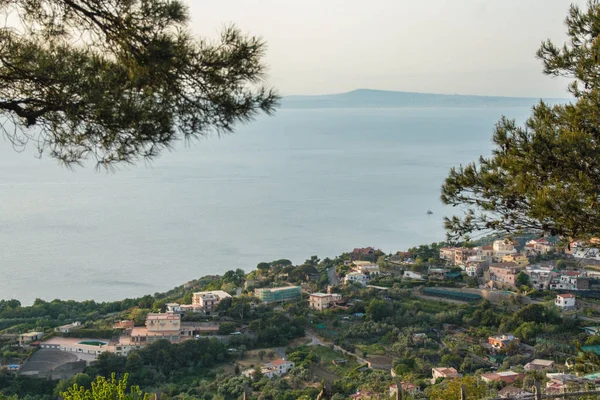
(566, 296)
(510, 377)
(446, 371)
(572, 273)
(488, 247)
(278, 362)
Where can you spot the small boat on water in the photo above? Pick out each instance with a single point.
(429, 212)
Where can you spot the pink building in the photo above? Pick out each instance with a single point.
(504, 273)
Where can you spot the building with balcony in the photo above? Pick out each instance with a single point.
(208, 301)
(503, 274)
(502, 248)
(322, 301)
(565, 301)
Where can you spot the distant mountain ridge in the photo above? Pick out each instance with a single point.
(367, 98)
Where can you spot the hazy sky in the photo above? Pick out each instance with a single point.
(442, 46)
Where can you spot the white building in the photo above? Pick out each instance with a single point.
(565, 301)
(280, 367)
(503, 248)
(570, 280)
(353, 277)
(173, 307)
(365, 267)
(209, 300)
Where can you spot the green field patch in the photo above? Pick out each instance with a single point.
(374, 349)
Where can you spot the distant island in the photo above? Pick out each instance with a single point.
(367, 98)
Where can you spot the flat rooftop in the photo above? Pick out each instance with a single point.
(219, 293)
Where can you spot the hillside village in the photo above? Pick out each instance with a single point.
(496, 318)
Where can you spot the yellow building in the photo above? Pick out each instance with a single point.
(518, 258)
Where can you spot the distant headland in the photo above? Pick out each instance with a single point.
(367, 98)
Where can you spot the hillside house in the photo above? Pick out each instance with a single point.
(208, 301)
(26, 338)
(539, 365)
(502, 248)
(565, 301)
(473, 268)
(504, 274)
(448, 254)
(356, 277)
(502, 341)
(322, 301)
(540, 276)
(519, 259)
(367, 268)
(68, 327)
(570, 280)
(485, 251)
(444, 373)
(538, 247)
(280, 367)
(508, 377)
(461, 255)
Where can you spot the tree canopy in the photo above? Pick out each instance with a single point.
(120, 81)
(103, 389)
(543, 176)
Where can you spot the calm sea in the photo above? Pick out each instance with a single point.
(302, 183)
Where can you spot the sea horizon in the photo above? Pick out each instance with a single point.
(304, 182)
